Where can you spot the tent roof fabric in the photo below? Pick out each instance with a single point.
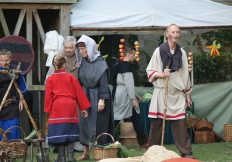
(149, 13)
(39, 1)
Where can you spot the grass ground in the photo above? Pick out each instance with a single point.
(215, 152)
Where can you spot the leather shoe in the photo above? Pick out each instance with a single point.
(83, 157)
(190, 156)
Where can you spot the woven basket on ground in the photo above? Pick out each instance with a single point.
(228, 132)
(204, 137)
(190, 122)
(12, 149)
(203, 125)
(103, 153)
(128, 135)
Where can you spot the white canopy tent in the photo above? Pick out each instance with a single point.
(148, 15)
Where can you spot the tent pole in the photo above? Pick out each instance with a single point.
(191, 49)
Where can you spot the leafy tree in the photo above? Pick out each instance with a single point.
(218, 69)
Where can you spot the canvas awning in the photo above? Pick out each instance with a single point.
(148, 15)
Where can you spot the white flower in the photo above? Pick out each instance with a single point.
(117, 143)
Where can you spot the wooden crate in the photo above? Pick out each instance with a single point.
(228, 132)
(204, 137)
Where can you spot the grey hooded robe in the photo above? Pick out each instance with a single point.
(93, 75)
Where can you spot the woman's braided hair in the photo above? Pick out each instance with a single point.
(58, 62)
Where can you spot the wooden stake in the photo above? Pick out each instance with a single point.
(6, 94)
(45, 125)
(10, 85)
(165, 108)
(28, 111)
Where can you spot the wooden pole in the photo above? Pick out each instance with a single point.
(10, 85)
(45, 125)
(6, 94)
(21, 98)
(165, 108)
(28, 111)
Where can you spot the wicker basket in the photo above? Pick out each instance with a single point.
(103, 153)
(12, 149)
(128, 136)
(203, 125)
(204, 137)
(129, 141)
(127, 130)
(190, 122)
(228, 132)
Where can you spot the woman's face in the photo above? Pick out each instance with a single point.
(83, 51)
(5, 61)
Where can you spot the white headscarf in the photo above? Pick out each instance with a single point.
(91, 48)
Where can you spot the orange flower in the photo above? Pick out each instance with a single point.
(214, 49)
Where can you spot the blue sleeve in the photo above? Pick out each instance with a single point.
(21, 83)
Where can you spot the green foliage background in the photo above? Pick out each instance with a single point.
(218, 69)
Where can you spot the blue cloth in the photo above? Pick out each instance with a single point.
(14, 132)
(61, 133)
(21, 84)
(20, 81)
(5, 124)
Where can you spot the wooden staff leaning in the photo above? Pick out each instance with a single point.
(165, 107)
(28, 111)
(21, 98)
(9, 87)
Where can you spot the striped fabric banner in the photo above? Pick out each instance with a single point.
(21, 50)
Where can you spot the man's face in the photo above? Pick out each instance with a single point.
(173, 34)
(69, 49)
(131, 56)
(5, 61)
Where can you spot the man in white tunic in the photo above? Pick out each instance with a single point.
(169, 54)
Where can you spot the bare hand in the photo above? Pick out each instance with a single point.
(20, 105)
(167, 72)
(84, 113)
(188, 100)
(138, 98)
(134, 103)
(101, 105)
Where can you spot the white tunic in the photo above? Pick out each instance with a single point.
(179, 82)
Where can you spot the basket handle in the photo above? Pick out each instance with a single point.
(202, 119)
(104, 134)
(16, 127)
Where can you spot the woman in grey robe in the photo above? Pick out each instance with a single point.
(93, 76)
